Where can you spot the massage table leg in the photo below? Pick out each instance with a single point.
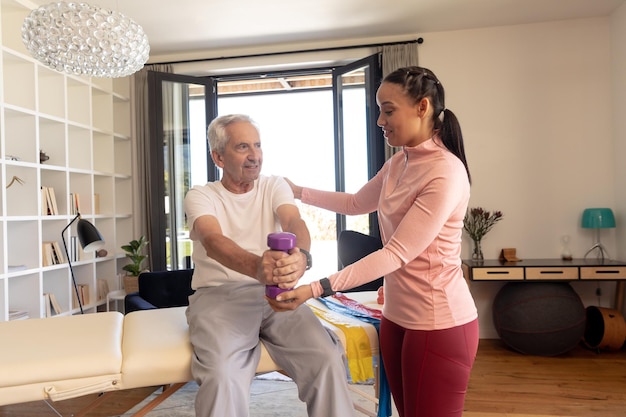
(93, 405)
(168, 390)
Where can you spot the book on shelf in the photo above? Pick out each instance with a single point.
(47, 304)
(53, 201)
(83, 293)
(48, 202)
(15, 268)
(52, 306)
(52, 255)
(46, 253)
(56, 307)
(56, 248)
(18, 315)
(74, 203)
(96, 203)
(75, 250)
(103, 288)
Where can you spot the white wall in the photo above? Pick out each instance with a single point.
(534, 102)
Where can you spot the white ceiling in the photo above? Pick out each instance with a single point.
(193, 29)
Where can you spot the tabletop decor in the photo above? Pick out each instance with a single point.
(477, 223)
(598, 218)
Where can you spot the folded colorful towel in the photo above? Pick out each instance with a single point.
(348, 306)
(358, 349)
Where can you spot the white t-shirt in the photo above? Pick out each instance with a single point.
(246, 218)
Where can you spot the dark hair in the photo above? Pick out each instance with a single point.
(419, 83)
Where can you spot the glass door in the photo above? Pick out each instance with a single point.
(181, 108)
(359, 143)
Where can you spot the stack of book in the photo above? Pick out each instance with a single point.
(16, 268)
(18, 315)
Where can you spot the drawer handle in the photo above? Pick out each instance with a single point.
(604, 271)
(551, 272)
(497, 272)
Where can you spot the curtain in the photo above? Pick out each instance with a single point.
(393, 57)
(142, 134)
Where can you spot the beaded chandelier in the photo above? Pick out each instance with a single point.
(81, 39)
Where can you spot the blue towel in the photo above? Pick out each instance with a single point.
(384, 394)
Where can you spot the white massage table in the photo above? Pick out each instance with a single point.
(65, 357)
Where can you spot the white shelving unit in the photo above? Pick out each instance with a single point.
(84, 126)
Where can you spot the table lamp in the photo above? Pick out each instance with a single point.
(598, 218)
(90, 240)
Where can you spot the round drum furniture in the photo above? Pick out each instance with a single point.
(539, 318)
(605, 329)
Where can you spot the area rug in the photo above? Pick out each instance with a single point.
(271, 395)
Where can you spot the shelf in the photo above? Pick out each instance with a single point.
(22, 197)
(20, 136)
(51, 92)
(52, 141)
(16, 68)
(77, 96)
(83, 125)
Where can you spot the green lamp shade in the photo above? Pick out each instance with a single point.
(598, 218)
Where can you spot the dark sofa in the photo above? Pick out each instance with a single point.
(160, 289)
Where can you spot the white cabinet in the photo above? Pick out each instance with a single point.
(84, 126)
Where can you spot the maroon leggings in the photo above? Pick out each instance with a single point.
(428, 371)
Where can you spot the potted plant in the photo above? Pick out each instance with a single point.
(134, 253)
(477, 223)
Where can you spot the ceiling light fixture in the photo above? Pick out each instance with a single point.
(81, 39)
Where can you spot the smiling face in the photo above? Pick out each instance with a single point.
(242, 157)
(404, 122)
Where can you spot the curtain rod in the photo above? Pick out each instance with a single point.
(337, 48)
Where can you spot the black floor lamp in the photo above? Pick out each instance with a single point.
(90, 240)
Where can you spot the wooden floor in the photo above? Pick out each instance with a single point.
(582, 383)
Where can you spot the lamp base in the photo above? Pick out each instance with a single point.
(602, 252)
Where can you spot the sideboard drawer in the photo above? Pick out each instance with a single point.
(603, 272)
(552, 273)
(495, 274)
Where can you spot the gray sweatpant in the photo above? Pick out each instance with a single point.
(225, 326)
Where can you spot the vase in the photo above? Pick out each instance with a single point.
(477, 254)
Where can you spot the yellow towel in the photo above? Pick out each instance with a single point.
(358, 349)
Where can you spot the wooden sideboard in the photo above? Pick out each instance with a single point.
(534, 270)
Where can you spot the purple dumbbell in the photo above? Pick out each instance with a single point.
(283, 241)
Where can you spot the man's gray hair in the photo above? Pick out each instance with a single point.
(216, 133)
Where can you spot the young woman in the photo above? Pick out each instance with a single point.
(429, 330)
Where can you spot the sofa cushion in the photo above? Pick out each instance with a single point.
(166, 288)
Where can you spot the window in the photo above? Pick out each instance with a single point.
(318, 128)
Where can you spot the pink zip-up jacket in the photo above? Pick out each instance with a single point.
(421, 195)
